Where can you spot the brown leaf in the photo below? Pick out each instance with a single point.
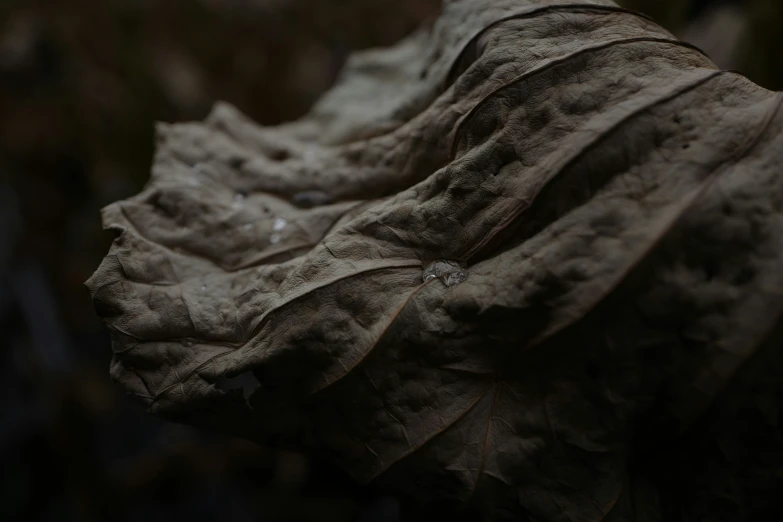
(603, 207)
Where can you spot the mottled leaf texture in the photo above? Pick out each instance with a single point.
(525, 265)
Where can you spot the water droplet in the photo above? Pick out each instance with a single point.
(186, 342)
(239, 199)
(279, 224)
(204, 288)
(248, 226)
(450, 272)
(455, 278)
(274, 239)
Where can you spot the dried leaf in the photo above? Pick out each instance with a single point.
(495, 267)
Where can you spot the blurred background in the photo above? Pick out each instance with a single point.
(81, 84)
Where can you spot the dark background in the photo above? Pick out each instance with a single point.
(81, 84)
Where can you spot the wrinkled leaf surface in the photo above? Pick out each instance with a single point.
(504, 268)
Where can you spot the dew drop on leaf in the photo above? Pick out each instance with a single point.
(279, 224)
(450, 272)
